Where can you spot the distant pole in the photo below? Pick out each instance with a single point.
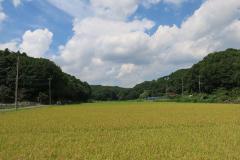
(182, 86)
(167, 78)
(16, 87)
(50, 92)
(199, 83)
(166, 91)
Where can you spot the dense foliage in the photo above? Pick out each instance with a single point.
(108, 93)
(34, 74)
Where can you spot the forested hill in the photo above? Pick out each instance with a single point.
(34, 74)
(217, 72)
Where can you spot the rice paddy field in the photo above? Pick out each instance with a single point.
(123, 130)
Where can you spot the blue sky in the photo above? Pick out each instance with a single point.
(119, 42)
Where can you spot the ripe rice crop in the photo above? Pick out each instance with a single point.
(122, 130)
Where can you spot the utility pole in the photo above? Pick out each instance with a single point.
(166, 91)
(199, 83)
(16, 87)
(166, 79)
(182, 86)
(50, 92)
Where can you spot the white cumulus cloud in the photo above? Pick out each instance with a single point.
(105, 48)
(126, 69)
(36, 43)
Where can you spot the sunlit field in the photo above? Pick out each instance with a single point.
(123, 130)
